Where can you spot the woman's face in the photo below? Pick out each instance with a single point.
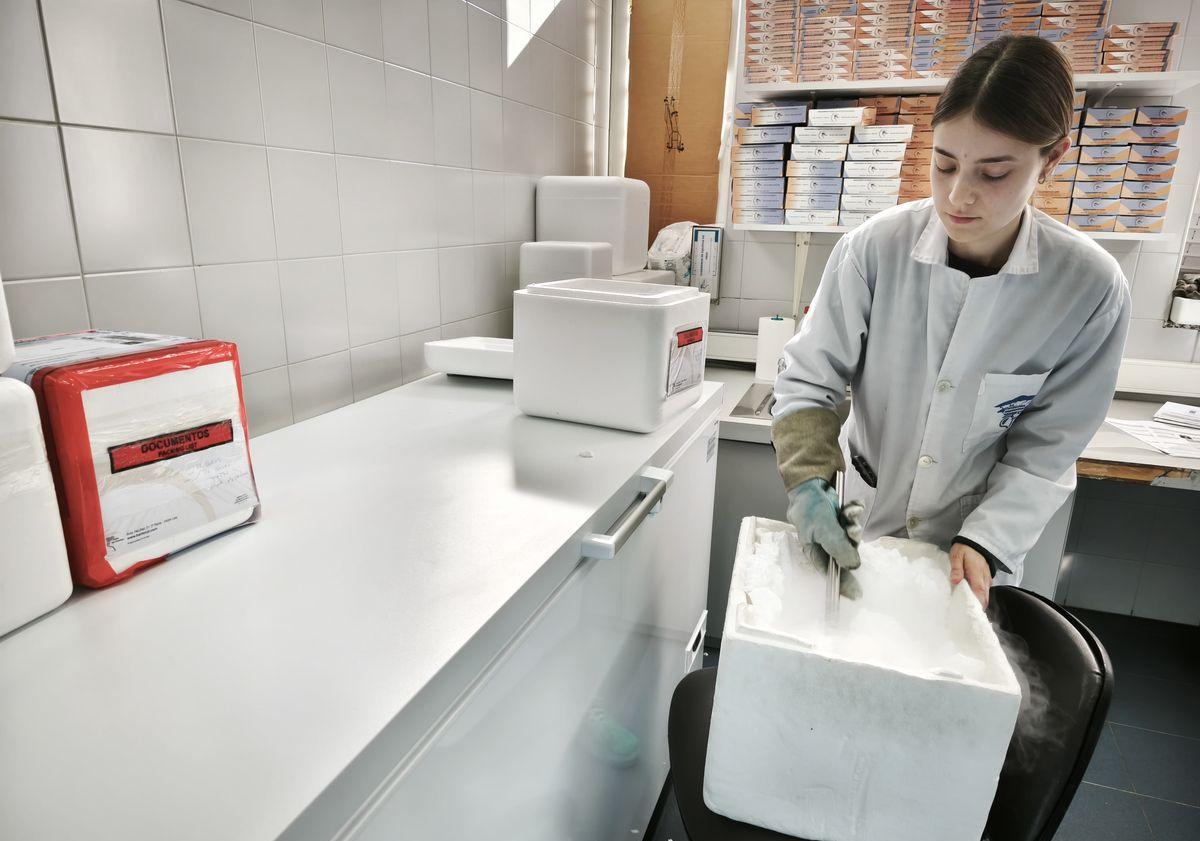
(982, 180)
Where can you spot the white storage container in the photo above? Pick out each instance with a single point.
(542, 262)
(608, 352)
(585, 208)
(659, 276)
(892, 727)
(472, 356)
(7, 351)
(34, 575)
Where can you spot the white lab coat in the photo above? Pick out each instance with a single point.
(972, 398)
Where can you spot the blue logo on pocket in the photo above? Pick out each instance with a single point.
(1010, 410)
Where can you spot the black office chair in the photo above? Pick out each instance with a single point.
(1030, 802)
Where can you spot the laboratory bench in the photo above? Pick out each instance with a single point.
(451, 621)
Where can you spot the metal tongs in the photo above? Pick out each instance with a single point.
(833, 572)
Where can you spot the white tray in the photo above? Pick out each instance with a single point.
(472, 356)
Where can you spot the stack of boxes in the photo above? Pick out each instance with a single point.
(842, 40)
(917, 111)
(762, 132)
(871, 181)
(1054, 196)
(814, 171)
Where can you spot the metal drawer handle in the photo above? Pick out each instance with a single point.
(606, 546)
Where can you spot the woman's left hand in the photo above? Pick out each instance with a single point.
(966, 562)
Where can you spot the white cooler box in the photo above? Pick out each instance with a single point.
(34, 575)
(893, 727)
(608, 352)
(542, 262)
(587, 208)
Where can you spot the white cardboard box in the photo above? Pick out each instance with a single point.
(850, 736)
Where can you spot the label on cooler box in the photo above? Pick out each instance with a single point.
(57, 352)
(170, 445)
(821, 134)
(685, 359)
(873, 169)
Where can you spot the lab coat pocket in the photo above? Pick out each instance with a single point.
(1002, 399)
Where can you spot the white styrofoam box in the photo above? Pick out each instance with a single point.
(608, 352)
(553, 260)
(34, 574)
(472, 356)
(6, 335)
(586, 208)
(665, 277)
(856, 733)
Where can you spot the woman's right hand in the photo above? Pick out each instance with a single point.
(813, 510)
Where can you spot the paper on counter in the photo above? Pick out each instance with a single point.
(1168, 439)
(1179, 415)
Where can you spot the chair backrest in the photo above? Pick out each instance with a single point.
(1033, 797)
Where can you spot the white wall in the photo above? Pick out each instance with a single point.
(758, 267)
(328, 185)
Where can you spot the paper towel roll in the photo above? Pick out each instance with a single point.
(773, 334)
(6, 338)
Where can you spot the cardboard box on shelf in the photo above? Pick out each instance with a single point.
(886, 119)
(750, 186)
(962, 42)
(1080, 100)
(914, 172)
(1094, 206)
(841, 116)
(1095, 224)
(953, 30)
(1071, 156)
(758, 201)
(1156, 134)
(1074, 23)
(1142, 206)
(921, 139)
(869, 203)
(822, 76)
(1064, 172)
(1148, 44)
(883, 134)
(814, 169)
(1096, 189)
(821, 134)
(919, 103)
(914, 190)
(818, 151)
(1008, 25)
(1132, 63)
(943, 4)
(1151, 154)
(1109, 116)
(854, 218)
(1054, 189)
(875, 151)
(872, 169)
(1161, 115)
(1100, 172)
(1052, 204)
(767, 134)
(1106, 135)
(1149, 172)
(1143, 30)
(954, 14)
(814, 185)
(758, 152)
(1087, 9)
(812, 201)
(811, 217)
(772, 115)
(1139, 224)
(882, 104)
(757, 169)
(1145, 189)
(924, 120)
(870, 186)
(758, 217)
(1110, 154)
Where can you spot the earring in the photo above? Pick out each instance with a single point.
(1042, 180)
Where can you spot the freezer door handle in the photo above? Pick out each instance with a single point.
(606, 546)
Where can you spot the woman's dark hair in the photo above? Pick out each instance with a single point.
(1019, 86)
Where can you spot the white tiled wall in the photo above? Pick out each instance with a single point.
(1134, 549)
(757, 278)
(328, 184)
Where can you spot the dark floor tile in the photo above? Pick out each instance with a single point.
(1145, 647)
(1103, 814)
(1167, 706)
(1106, 767)
(670, 823)
(1167, 767)
(1171, 821)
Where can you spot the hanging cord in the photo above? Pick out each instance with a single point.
(671, 116)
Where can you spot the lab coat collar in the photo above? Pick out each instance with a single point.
(932, 244)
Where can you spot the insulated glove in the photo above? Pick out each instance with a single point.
(813, 509)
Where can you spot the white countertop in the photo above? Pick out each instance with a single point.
(216, 695)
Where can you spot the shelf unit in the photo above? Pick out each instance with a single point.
(1099, 85)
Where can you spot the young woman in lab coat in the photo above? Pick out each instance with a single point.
(979, 337)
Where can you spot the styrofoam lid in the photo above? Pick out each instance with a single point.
(615, 291)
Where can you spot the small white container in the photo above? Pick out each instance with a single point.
(34, 575)
(542, 262)
(581, 208)
(1185, 311)
(608, 352)
(472, 356)
(665, 277)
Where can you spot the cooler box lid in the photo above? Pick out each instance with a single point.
(615, 291)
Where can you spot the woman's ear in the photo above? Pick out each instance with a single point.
(1053, 157)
